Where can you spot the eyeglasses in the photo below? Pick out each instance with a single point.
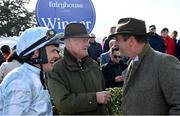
(116, 56)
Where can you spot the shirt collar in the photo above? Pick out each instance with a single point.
(136, 59)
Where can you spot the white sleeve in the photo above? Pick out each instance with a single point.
(16, 101)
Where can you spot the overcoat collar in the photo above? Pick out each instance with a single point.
(129, 78)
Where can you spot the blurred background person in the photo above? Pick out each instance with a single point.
(178, 50)
(105, 57)
(12, 62)
(103, 40)
(5, 51)
(95, 48)
(174, 35)
(113, 70)
(170, 46)
(106, 43)
(2, 59)
(156, 41)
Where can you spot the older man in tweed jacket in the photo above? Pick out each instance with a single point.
(152, 79)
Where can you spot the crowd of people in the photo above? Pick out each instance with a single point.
(34, 75)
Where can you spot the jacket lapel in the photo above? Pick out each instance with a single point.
(136, 64)
(130, 77)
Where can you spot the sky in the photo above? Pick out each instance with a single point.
(162, 13)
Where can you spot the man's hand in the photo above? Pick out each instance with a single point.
(103, 97)
(119, 79)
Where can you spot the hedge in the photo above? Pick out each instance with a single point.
(116, 100)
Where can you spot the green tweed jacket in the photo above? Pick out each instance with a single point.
(153, 87)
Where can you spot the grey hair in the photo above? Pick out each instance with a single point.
(111, 43)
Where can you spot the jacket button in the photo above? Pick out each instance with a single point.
(90, 102)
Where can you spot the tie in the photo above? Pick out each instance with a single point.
(129, 70)
(127, 75)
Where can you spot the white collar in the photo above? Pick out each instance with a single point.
(135, 59)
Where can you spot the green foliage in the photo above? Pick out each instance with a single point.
(14, 17)
(116, 100)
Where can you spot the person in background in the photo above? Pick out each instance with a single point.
(113, 70)
(170, 46)
(95, 48)
(5, 49)
(103, 41)
(23, 90)
(178, 50)
(152, 79)
(76, 83)
(12, 62)
(105, 57)
(155, 41)
(174, 35)
(2, 59)
(106, 43)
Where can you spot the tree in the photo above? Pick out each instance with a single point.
(14, 17)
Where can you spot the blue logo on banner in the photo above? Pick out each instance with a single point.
(56, 14)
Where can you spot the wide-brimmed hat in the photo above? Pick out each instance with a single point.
(130, 26)
(75, 30)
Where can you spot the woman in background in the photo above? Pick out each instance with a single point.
(12, 62)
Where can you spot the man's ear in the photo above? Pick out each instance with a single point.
(35, 54)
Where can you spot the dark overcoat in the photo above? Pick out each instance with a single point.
(73, 86)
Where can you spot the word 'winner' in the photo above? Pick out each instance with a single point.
(57, 23)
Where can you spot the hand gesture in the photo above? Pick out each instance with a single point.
(103, 97)
(119, 79)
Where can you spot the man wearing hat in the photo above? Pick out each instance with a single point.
(23, 91)
(76, 83)
(155, 41)
(152, 79)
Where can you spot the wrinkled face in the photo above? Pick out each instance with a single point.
(164, 34)
(78, 47)
(52, 55)
(115, 57)
(124, 46)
